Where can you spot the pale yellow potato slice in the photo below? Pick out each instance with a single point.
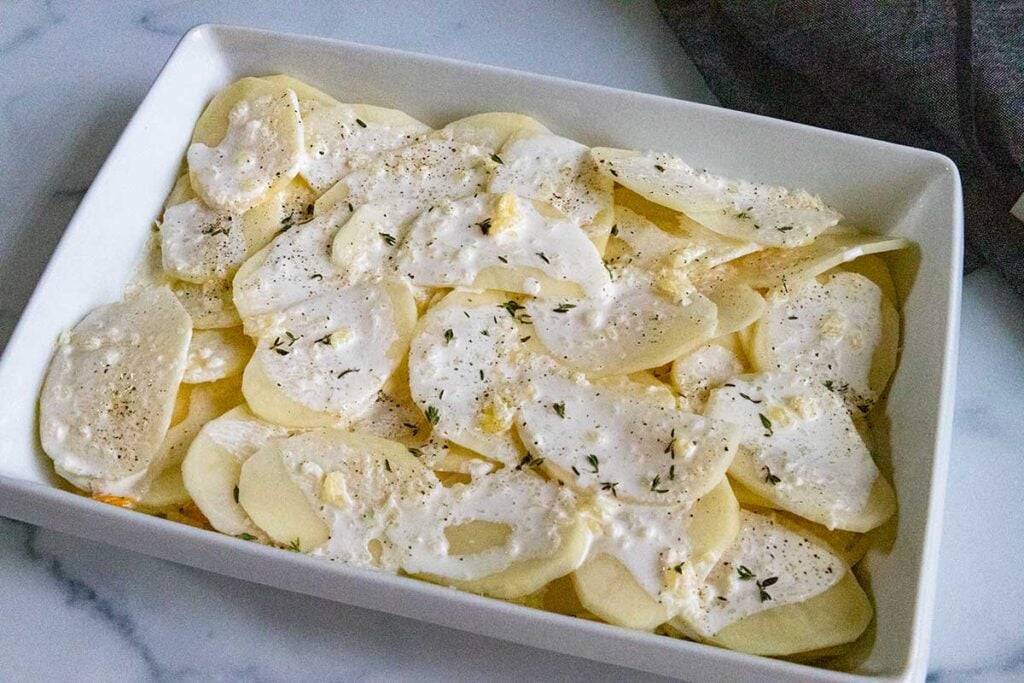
(247, 144)
(776, 591)
(213, 465)
(875, 269)
(695, 374)
(799, 449)
(782, 268)
(324, 360)
(674, 559)
(216, 354)
(206, 402)
(209, 305)
(109, 394)
(493, 129)
(738, 304)
(765, 214)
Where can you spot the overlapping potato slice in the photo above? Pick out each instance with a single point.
(647, 559)
(247, 143)
(109, 393)
(211, 469)
(338, 136)
(708, 367)
(560, 172)
(800, 450)
(605, 439)
(209, 305)
(505, 535)
(765, 214)
(841, 331)
(206, 402)
(337, 492)
(776, 591)
(464, 369)
(875, 269)
(781, 268)
(216, 354)
(501, 242)
(321, 362)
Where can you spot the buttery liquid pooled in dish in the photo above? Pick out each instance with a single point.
(493, 358)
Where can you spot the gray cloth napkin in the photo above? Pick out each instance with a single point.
(945, 75)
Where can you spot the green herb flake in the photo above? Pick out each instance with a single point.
(496, 159)
(564, 308)
(361, 123)
(745, 574)
(449, 334)
(433, 416)
(511, 306)
(610, 486)
(770, 478)
(388, 239)
(766, 423)
(595, 464)
(656, 485)
(295, 546)
(559, 409)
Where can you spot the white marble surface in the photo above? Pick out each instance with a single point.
(71, 73)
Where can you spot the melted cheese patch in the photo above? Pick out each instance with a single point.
(707, 368)
(765, 214)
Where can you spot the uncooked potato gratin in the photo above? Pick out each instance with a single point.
(595, 381)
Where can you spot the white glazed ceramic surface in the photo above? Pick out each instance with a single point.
(886, 188)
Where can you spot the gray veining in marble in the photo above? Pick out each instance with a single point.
(72, 73)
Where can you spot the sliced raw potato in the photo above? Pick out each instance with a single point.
(492, 129)
(282, 210)
(765, 214)
(247, 143)
(800, 450)
(109, 394)
(395, 416)
(842, 332)
(776, 592)
(505, 535)
(337, 135)
(781, 268)
(501, 242)
(648, 559)
(615, 442)
(710, 366)
(209, 304)
(560, 172)
(295, 267)
(213, 465)
(322, 361)
(216, 354)
(206, 402)
(738, 304)
(199, 243)
(874, 268)
(337, 492)
(463, 372)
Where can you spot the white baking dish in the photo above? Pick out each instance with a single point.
(888, 188)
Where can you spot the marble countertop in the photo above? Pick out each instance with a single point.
(71, 74)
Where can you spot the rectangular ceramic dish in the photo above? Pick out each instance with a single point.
(887, 188)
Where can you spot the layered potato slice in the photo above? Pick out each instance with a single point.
(464, 365)
(339, 136)
(708, 367)
(321, 362)
(648, 559)
(776, 591)
(841, 331)
(247, 143)
(209, 305)
(501, 242)
(211, 469)
(765, 214)
(216, 354)
(799, 449)
(620, 442)
(109, 394)
(560, 172)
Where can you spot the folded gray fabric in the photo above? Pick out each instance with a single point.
(945, 75)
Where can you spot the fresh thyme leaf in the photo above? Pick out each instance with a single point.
(325, 340)
(350, 209)
(672, 472)
(595, 464)
(295, 546)
(214, 231)
(345, 372)
(784, 228)
(742, 395)
(770, 478)
(316, 276)
(485, 226)
(245, 536)
(496, 159)
(766, 423)
(745, 574)
(387, 464)
(281, 352)
(559, 409)
(388, 239)
(525, 339)
(830, 385)
(449, 334)
(361, 123)
(615, 230)
(236, 494)
(433, 415)
(678, 569)
(610, 486)
(656, 485)
(564, 308)
(611, 275)
(417, 452)
(543, 257)
(503, 259)
(575, 471)
(761, 585)
(511, 307)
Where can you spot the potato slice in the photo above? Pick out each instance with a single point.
(213, 465)
(109, 393)
(474, 241)
(323, 361)
(247, 144)
(710, 366)
(777, 592)
(765, 214)
(340, 490)
(875, 269)
(614, 442)
(463, 372)
(800, 450)
(831, 331)
(216, 354)
(206, 402)
(738, 305)
(650, 558)
(560, 172)
(506, 535)
(209, 304)
(338, 134)
(780, 268)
